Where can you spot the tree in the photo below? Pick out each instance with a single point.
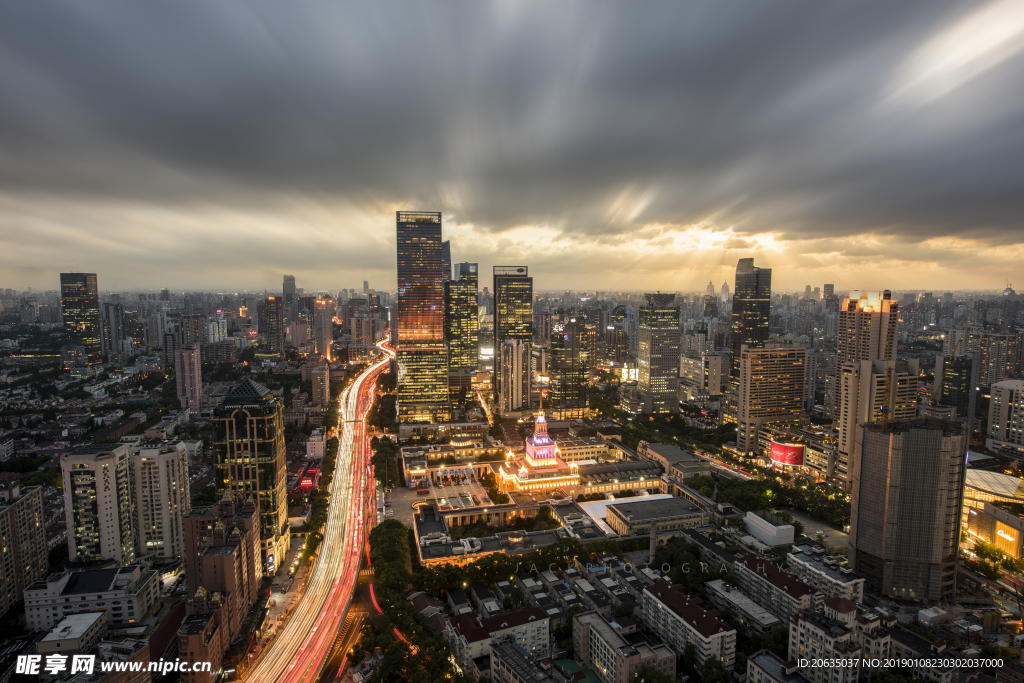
(649, 674)
(776, 640)
(623, 610)
(689, 663)
(713, 671)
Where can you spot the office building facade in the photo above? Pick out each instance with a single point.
(513, 364)
(905, 519)
(658, 349)
(568, 363)
(98, 503)
(80, 309)
(249, 459)
(751, 307)
(275, 326)
(1006, 414)
(323, 326)
(115, 334)
(421, 354)
(461, 317)
(513, 319)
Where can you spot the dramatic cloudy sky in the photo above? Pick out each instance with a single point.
(607, 145)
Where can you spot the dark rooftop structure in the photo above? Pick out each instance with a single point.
(641, 510)
(707, 622)
(194, 624)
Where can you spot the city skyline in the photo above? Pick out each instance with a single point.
(874, 161)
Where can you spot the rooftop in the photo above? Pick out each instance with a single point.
(776, 668)
(707, 622)
(775, 575)
(74, 626)
(194, 624)
(641, 510)
(996, 484)
(804, 555)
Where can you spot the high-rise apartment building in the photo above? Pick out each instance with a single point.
(568, 371)
(867, 330)
(751, 306)
(24, 554)
(249, 459)
(98, 503)
(868, 327)
(1006, 415)
(289, 299)
(513, 319)
(320, 378)
(275, 325)
(114, 334)
(998, 358)
(658, 359)
(869, 391)
(421, 354)
(323, 326)
(188, 375)
(461, 317)
(80, 308)
(160, 490)
(512, 364)
(907, 484)
(770, 391)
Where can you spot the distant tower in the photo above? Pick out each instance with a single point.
(446, 260)
(725, 292)
(80, 307)
(711, 289)
(751, 306)
(658, 359)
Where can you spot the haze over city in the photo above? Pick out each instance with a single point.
(206, 147)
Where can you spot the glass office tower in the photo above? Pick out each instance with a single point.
(462, 318)
(422, 355)
(751, 306)
(513, 316)
(80, 306)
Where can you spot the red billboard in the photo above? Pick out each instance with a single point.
(787, 454)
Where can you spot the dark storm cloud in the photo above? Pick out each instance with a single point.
(806, 120)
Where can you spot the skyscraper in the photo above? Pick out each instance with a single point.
(249, 458)
(658, 359)
(80, 307)
(421, 355)
(188, 376)
(24, 555)
(446, 260)
(868, 329)
(275, 325)
(905, 515)
(114, 333)
(98, 503)
(770, 391)
(323, 326)
(160, 490)
(567, 362)
(289, 299)
(462, 319)
(513, 319)
(751, 307)
(320, 378)
(957, 378)
(513, 363)
(868, 391)
(725, 292)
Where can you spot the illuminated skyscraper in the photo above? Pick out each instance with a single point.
(513, 319)
(751, 306)
(462, 319)
(249, 459)
(658, 359)
(275, 326)
(568, 367)
(770, 391)
(446, 260)
(421, 354)
(868, 325)
(323, 326)
(867, 332)
(80, 307)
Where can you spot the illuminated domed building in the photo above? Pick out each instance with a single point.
(542, 468)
